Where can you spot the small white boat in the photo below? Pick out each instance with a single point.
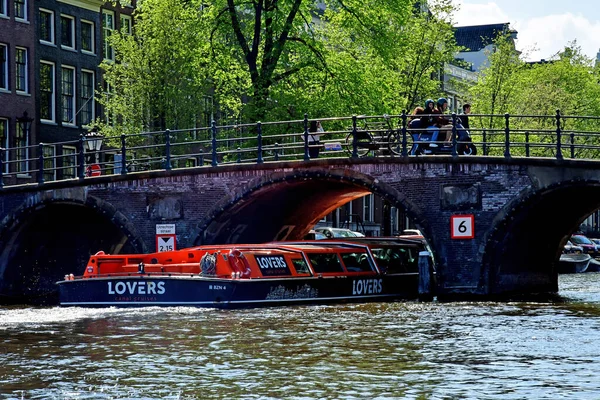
(573, 263)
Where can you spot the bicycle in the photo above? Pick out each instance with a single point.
(366, 141)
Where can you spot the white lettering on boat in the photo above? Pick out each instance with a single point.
(271, 262)
(367, 286)
(141, 287)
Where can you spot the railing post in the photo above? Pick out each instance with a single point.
(2, 150)
(123, 156)
(167, 149)
(214, 143)
(572, 144)
(484, 139)
(276, 151)
(354, 138)
(527, 146)
(404, 139)
(306, 155)
(454, 152)
(81, 167)
(559, 155)
(259, 158)
(239, 154)
(506, 135)
(41, 162)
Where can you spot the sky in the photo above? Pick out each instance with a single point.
(544, 27)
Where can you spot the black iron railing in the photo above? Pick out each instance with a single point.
(499, 135)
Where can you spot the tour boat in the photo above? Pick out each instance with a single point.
(249, 275)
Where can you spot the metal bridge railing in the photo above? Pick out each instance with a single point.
(498, 135)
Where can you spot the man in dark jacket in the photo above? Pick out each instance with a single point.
(464, 117)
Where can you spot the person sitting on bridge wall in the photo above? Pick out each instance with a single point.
(442, 123)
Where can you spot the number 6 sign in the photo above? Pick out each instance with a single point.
(462, 226)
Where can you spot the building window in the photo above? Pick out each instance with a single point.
(46, 26)
(21, 69)
(47, 91)
(3, 66)
(368, 207)
(67, 31)
(4, 142)
(126, 24)
(67, 94)
(3, 8)
(108, 26)
(21, 9)
(87, 97)
(69, 162)
(49, 162)
(21, 149)
(87, 37)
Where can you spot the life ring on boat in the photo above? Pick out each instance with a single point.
(239, 263)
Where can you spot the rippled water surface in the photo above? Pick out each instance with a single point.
(379, 350)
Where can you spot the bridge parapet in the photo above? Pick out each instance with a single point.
(388, 136)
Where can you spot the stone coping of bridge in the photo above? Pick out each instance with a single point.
(323, 162)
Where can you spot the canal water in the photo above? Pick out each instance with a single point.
(401, 350)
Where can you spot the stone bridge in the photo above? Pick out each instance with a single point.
(523, 210)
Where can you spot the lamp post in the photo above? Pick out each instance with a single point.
(93, 143)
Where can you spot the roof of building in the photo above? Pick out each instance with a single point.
(476, 37)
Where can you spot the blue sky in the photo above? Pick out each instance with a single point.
(544, 27)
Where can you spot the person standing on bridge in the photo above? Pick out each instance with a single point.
(464, 117)
(314, 138)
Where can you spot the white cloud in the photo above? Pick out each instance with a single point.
(479, 14)
(538, 37)
(550, 34)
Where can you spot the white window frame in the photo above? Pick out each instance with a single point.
(125, 17)
(49, 162)
(73, 121)
(4, 8)
(53, 92)
(26, 90)
(52, 27)
(92, 100)
(4, 85)
(69, 171)
(368, 204)
(107, 49)
(22, 152)
(25, 17)
(93, 38)
(70, 17)
(4, 123)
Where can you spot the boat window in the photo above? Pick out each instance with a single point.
(356, 262)
(325, 262)
(300, 266)
(396, 259)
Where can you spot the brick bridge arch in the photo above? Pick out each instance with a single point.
(48, 234)
(303, 197)
(528, 235)
(511, 201)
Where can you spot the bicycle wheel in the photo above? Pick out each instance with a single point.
(395, 142)
(364, 143)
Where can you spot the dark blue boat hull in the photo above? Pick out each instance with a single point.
(197, 291)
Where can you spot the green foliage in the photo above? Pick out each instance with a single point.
(567, 82)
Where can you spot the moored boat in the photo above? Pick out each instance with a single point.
(573, 263)
(233, 276)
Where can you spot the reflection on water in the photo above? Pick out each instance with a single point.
(379, 350)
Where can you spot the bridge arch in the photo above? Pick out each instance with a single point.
(304, 196)
(44, 238)
(527, 236)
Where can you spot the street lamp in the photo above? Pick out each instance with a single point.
(93, 143)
